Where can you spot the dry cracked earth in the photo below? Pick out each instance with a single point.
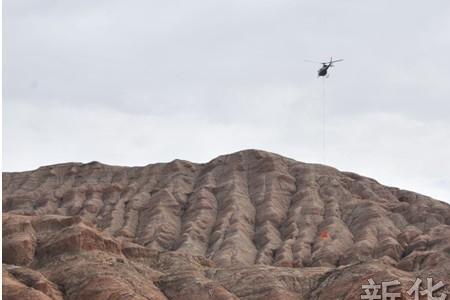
(249, 225)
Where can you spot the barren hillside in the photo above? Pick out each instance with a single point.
(249, 225)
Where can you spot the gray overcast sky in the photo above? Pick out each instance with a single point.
(138, 82)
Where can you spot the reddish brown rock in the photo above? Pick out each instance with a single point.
(19, 240)
(23, 283)
(249, 225)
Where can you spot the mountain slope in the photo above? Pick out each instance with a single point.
(285, 226)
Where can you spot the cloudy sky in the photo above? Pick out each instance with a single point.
(137, 82)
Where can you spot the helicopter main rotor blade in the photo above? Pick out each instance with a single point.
(338, 60)
(313, 61)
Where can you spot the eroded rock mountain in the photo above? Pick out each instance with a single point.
(249, 225)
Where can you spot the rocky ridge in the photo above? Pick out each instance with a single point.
(249, 225)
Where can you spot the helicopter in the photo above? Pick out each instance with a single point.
(325, 65)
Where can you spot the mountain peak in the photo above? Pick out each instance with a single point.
(250, 212)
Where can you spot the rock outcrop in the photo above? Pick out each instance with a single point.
(249, 225)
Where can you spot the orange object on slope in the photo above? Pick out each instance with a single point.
(324, 235)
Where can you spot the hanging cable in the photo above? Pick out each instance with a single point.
(323, 120)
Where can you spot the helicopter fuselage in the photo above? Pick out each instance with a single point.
(323, 71)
